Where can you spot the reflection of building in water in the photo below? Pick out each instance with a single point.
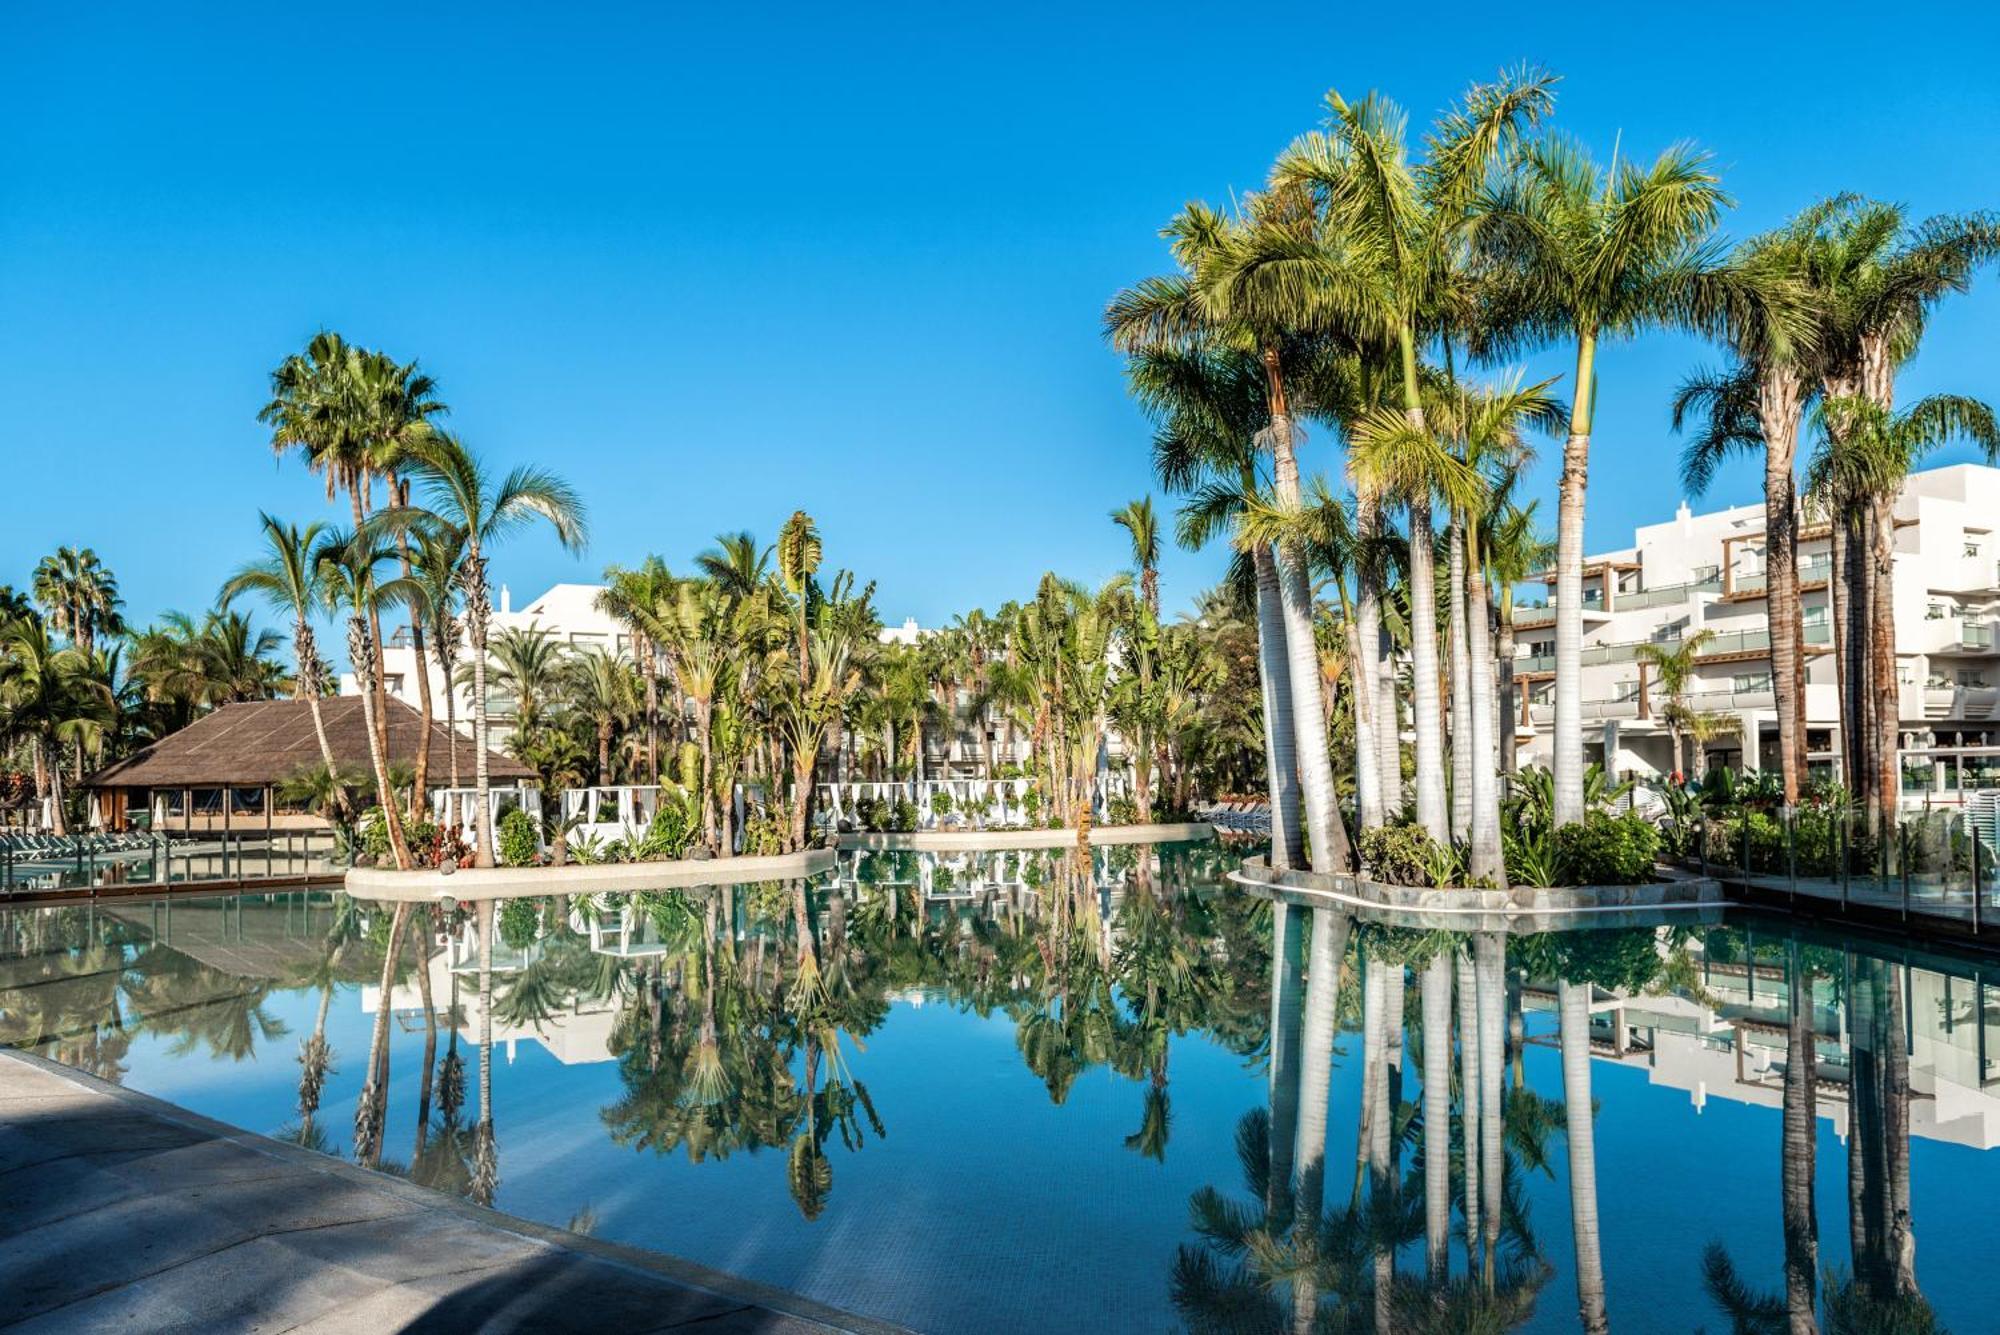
(577, 1032)
(1730, 1042)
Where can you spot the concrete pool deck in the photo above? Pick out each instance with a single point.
(124, 1211)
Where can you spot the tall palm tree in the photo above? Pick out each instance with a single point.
(1208, 405)
(476, 511)
(1866, 452)
(1400, 457)
(1769, 326)
(79, 595)
(1596, 255)
(1874, 280)
(286, 576)
(436, 571)
(1516, 549)
(1227, 292)
(736, 563)
(347, 566)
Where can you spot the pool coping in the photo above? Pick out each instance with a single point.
(660, 1267)
(940, 841)
(1541, 908)
(390, 886)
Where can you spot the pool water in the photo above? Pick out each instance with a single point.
(1016, 1091)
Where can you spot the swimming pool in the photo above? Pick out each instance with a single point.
(1008, 1091)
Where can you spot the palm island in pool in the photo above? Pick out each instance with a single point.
(1424, 925)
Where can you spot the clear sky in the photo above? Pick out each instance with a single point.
(716, 262)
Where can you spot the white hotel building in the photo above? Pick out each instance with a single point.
(1706, 571)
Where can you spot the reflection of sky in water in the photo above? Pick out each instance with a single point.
(987, 1206)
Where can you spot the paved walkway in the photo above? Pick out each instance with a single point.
(118, 1210)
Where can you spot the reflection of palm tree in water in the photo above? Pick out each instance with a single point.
(1880, 1294)
(486, 1155)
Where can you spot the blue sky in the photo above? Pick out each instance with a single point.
(713, 263)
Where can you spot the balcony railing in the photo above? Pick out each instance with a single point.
(1626, 651)
(1972, 636)
(1814, 571)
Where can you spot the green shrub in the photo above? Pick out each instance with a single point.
(1402, 855)
(875, 814)
(903, 819)
(374, 834)
(1529, 853)
(1122, 811)
(941, 804)
(1031, 806)
(519, 921)
(668, 835)
(1606, 850)
(517, 840)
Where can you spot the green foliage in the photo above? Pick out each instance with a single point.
(1529, 852)
(517, 839)
(941, 803)
(1406, 855)
(1625, 960)
(1606, 850)
(374, 833)
(903, 818)
(519, 923)
(1122, 811)
(668, 836)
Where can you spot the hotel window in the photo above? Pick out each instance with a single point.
(1816, 615)
(1971, 548)
(1971, 677)
(1936, 612)
(1753, 681)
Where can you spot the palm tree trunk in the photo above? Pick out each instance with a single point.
(381, 667)
(1841, 596)
(1469, 1089)
(1488, 866)
(1568, 738)
(1861, 665)
(1490, 963)
(1431, 808)
(1801, 1219)
(1778, 415)
(478, 611)
(392, 820)
(1287, 961)
(1882, 632)
(1437, 1116)
(1388, 726)
(1575, 1023)
(1460, 629)
(1510, 701)
(1280, 746)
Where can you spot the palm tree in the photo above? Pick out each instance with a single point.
(463, 498)
(1874, 280)
(698, 631)
(635, 597)
(79, 595)
(287, 578)
(1865, 453)
(50, 698)
(1208, 404)
(1675, 668)
(737, 564)
(1400, 457)
(346, 566)
(600, 686)
(436, 571)
(1768, 325)
(351, 414)
(1596, 255)
(1143, 527)
(1227, 294)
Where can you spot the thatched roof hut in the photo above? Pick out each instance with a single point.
(228, 763)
